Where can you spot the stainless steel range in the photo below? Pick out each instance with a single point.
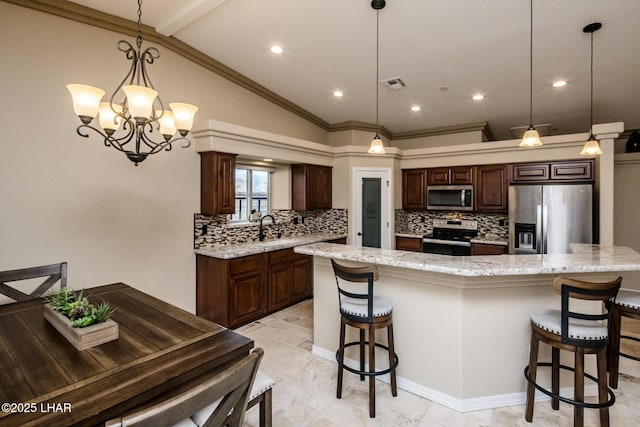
(450, 237)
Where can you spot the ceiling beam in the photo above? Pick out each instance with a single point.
(187, 15)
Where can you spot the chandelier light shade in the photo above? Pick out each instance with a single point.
(531, 138)
(591, 147)
(376, 146)
(134, 120)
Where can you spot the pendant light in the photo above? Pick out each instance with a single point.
(376, 144)
(531, 138)
(591, 147)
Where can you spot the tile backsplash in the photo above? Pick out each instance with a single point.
(421, 222)
(209, 231)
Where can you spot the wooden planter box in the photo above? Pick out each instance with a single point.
(81, 338)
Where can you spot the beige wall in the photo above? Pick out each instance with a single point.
(627, 207)
(69, 198)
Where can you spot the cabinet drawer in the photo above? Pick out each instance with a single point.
(530, 172)
(246, 263)
(408, 244)
(572, 171)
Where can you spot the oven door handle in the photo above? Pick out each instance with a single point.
(446, 242)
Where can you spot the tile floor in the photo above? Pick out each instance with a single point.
(304, 394)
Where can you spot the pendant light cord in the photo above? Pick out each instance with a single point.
(531, 66)
(591, 118)
(377, 62)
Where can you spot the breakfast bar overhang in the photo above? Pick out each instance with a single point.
(462, 324)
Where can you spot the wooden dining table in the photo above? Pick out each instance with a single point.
(44, 380)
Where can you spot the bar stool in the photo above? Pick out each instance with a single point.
(627, 304)
(365, 312)
(580, 333)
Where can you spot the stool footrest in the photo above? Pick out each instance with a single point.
(367, 373)
(608, 403)
(629, 356)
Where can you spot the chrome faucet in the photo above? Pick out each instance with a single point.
(261, 232)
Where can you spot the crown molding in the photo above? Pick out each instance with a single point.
(86, 15)
(89, 16)
(445, 130)
(364, 126)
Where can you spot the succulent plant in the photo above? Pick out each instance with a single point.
(78, 309)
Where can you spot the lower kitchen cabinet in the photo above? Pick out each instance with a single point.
(408, 244)
(234, 292)
(486, 249)
(290, 278)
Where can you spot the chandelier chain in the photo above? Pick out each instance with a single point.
(139, 38)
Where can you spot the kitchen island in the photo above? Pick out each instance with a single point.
(461, 323)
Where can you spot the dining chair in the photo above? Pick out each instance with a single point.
(52, 274)
(229, 389)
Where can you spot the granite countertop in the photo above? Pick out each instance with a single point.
(585, 259)
(490, 239)
(487, 239)
(252, 248)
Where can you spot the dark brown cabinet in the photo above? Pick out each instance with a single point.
(217, 183)
(290, 278)
(572, 171)
(234, 292)
(414, 188)
(491, 187)
(247, 289)
(450, 176)
(310, 187)
(567, 171)
(413, 244)
(486, 249)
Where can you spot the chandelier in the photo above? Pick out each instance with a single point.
(134, 111)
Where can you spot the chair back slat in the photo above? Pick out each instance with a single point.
(230, 388)
(589, 291)
(365, 274)
(51, 273)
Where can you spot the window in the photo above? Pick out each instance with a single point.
(252, 192)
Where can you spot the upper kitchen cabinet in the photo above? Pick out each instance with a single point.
(491, 187)
(414, 191)
(450, 176)
(217, 183)
(564, 171)
(310, 187)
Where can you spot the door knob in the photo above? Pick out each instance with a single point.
(359, 233)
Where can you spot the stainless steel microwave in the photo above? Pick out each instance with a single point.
(450, 197)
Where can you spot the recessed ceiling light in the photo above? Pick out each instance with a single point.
(559, 83)
(267, 160)
(416, 108)
(277, 49)
(477, 97)
(338, 93)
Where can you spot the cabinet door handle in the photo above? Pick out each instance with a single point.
(359, 233)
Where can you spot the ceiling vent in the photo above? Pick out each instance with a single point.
(518, 132)
(393, 83)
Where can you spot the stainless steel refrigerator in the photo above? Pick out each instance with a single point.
(544, 219)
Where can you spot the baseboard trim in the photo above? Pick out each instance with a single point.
(460, 405)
